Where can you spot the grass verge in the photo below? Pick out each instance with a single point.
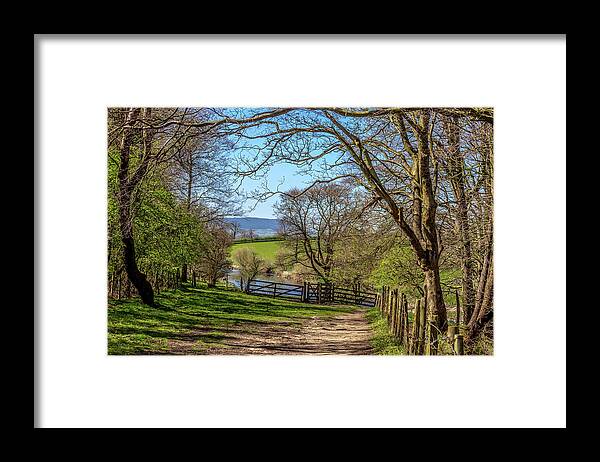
(197, 318)
(383, 341)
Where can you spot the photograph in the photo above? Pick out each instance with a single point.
(294, 231)
(300, 230)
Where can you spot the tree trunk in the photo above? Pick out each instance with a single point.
(184, 272)
(435, 301)
(485, 282)
(456, 168)
(484, 308)
(137, 278)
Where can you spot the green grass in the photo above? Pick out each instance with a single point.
(266, 250)
(383, 342)
(197, 315)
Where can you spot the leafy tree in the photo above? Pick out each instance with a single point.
(214, 262)
(250, 265)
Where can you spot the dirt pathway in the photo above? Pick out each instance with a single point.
(344, 334)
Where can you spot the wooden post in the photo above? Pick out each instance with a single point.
(422, 325)
(386, 301)
(274, 289)
(405, 321)
(452, 331)
(401, 318)
(416, 336)
(392, 312)
(459, 345)
(319, 293)
(399, 315)
(457, 309)
(395, 316)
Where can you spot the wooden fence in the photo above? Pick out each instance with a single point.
(119, 285)
(314, 292)
(413, 328)
(276, 289)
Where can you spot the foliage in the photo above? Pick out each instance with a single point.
(166, 234)
(398, 268)
(249, 263)
(213, 262)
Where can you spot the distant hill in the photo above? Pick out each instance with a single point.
(261, 226)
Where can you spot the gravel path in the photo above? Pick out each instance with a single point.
(344, 334)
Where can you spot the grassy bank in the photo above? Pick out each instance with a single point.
(197, 315)
(383, 342)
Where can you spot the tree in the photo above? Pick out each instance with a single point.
(250, 265)
(393, 153)
(127, 184)
(248, 234)
(319, 219)
(201, 177)
(144, 140)
(234, 227)
(214, 261)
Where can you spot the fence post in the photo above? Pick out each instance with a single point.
(274, 289)
(402, 319)
(459, 345)
(414, 341)
(385, 301)
(423, 326)
(319, 293)
(393, 311)
(398, 312)
(452, 331)
(457, 308)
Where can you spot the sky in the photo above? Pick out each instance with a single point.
(280, 176)
(278, 173)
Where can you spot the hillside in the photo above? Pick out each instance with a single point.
(261, 226)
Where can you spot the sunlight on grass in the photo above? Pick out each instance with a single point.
(199, 316)
(383, 342)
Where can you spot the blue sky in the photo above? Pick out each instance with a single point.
(282, 176)
(278, 173)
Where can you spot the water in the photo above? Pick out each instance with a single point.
(234, 278)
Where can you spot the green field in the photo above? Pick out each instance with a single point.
(200, 318)
(266, 250)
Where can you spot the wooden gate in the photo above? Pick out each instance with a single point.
(320, 293)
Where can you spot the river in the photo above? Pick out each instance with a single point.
(234, 278)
